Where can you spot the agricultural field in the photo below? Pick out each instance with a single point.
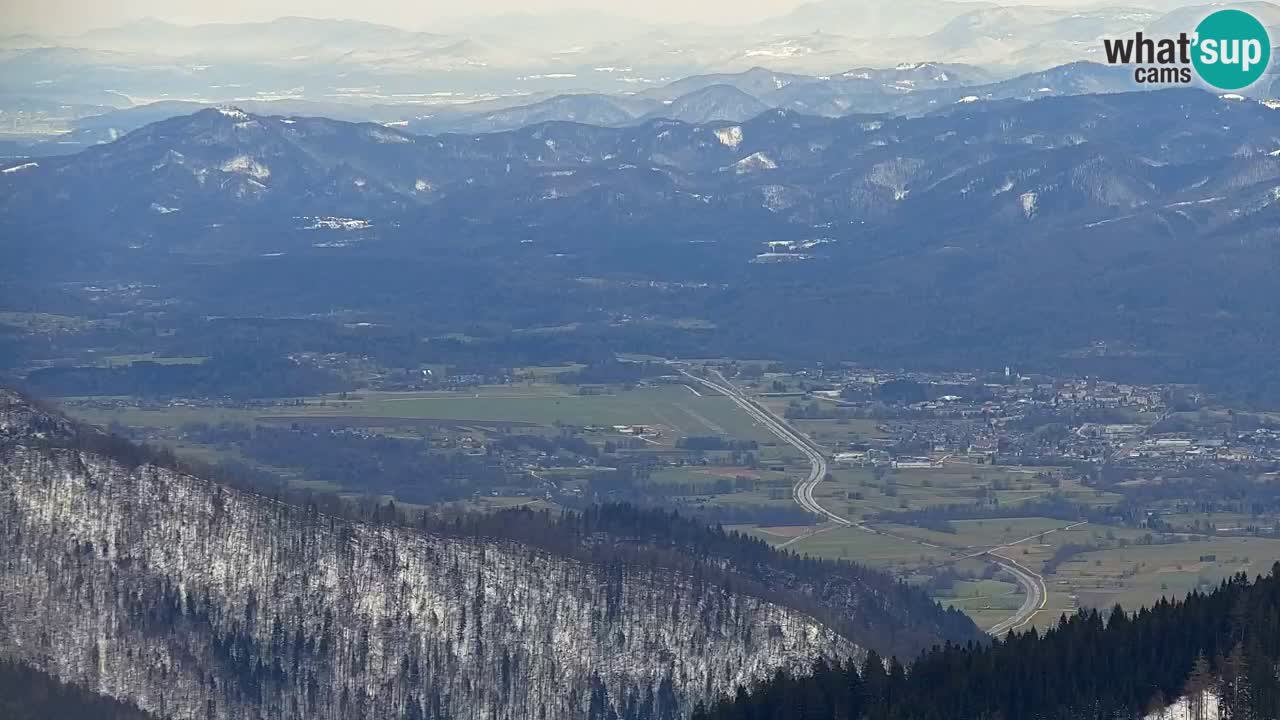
(986, 601)
(1133, 574)
(861, 492)
(877, 550)
(48, 323)
(640, 424)
(121, 360)
(982, 534)
(703, 479)
(104, 411)
(673, 410)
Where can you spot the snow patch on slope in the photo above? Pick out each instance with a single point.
(337, 223)
(730, 137)
(383, 136)
(1183, 710)
(1029, 201)
(753, 163)
(245, 165)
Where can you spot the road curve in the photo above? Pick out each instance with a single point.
(1031, 581)
(803, 490)
(1037, 593)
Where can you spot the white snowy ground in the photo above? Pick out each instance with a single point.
(1182, 710)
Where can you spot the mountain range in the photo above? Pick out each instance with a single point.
(1130, 230)
(1085, 159)
(913, 89)
(359, 63)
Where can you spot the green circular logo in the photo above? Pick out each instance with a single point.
(1232, 49)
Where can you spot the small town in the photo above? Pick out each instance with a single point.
(1035, 420)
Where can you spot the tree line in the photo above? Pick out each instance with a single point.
(29, 694)
(1090, 666)
(235, 375)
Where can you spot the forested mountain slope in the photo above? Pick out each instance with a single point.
(1022, 164)
(28, 694)
(1222, 646)
(193, 599)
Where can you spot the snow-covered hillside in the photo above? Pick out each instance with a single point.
(1184, 709)
(197, 601)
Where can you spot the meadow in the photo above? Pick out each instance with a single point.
(673, 410)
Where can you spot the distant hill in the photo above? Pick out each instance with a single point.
(586, 108)
(757, 81)
(712, 103)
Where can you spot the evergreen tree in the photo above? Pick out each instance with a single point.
(1235, 694)
(1090, 666)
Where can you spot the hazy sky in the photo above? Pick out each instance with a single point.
(77, 15)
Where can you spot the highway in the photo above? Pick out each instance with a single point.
(1037, 593)
(803, 490)
(1033, 585)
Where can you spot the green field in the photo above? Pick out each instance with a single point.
(122, 360)
(1141, 574)
(861, 546)
(50, 323)
(862, 492)
(99, 413)
(981, 534)
(986, 601)
(673, 410)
